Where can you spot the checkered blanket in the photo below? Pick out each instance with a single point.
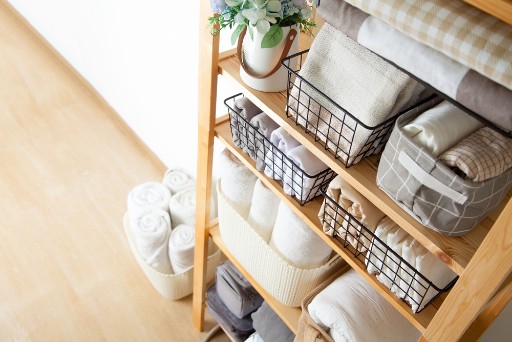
(460, 31)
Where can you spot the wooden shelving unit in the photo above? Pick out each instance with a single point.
(482, 258)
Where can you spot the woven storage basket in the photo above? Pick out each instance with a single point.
(286, 283)
(170, 286)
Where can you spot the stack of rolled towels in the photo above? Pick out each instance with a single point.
(162, 219)
(371, 233)
(271, 218)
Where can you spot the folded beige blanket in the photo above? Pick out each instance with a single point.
(356, 205)
(482, 155)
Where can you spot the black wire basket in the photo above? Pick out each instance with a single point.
(272, 161)
(342, 134)
(397, 274)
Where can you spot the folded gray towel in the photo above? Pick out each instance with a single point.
(269, 325)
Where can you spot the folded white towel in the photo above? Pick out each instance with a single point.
(237, 182)
(295, 181)
(275, 161)
(244, 137)
(351, 310)
(181, 248)
(264, 125)
(296, 242)
(263, 213)
(441, 127)
(377, 251)
(149, 195)
(182, 207)
(177, 180)
(151, 231)
(394, 241)
(409, 249)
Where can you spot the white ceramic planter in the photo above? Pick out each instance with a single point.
(262, 60)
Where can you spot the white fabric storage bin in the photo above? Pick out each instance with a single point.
(286, 283)
(171, 286)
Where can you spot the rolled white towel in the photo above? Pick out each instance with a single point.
(149, 195)
(182, 207)
(388, 276)
(377, 251)
(295, 181)
(263, 213)
(177, 180)
(441, 127)
(409, 250)
(351, 310)
(264, 125)
(237, 182)
(275, 161)
(296, 242)
(151, 231)
(181, 248)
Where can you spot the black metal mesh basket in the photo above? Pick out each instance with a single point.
(337, 130)
(272, 161)
(392, 270)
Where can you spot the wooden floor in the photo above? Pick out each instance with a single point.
(67, 164)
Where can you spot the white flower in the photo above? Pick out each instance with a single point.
(263, 26)
(239, 19)
(254, 15)
(274, 6)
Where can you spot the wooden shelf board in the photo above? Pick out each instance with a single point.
(309, 213)
(456, 252)
(501, 9)
(288, 314)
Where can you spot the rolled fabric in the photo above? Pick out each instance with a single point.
(237, 182)
(149, 195)
(177, 180)
(244, 138)
(181, 248)
(483, 155)
(275, 161)
(151, 231)
(441, 127)
(350, 309)
(263, 212)
(296, 242)
(410, 247)
(377, 251)
(182, 207)
(356, 205)
(295, 181)
(264, 125)
(391, 263)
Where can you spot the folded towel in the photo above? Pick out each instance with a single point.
(470, 88)
(182, 207)
(264, 125)
(177, 180)
(351, 310)
(356, 205)
(149, 195)
(263, 212)
(296, 242)
(151, 231)
(181, 248)
(410, 248)
(270, 326)
(296, 181)
(359, 81)
(237, 182)
(377, 252)
(391, 263)
(441, 127)
(275, 161)
(244, 138)
(481, 156)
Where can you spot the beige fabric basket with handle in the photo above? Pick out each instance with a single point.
(171, 286)
(286, 283)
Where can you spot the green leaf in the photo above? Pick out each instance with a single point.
(272, 37)
(251, 32)
(236, 33)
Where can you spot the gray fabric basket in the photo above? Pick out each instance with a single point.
(430, 191)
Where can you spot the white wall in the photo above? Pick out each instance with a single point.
(131, 51)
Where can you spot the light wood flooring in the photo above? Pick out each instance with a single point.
(67, 162)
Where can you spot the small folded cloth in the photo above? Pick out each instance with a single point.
(181, 248)
(182, 207)
(264, 125)
(270, 326)
(441, 127)
(275, 161)
(481, 156)
(263, 212)
(177, 180)
(244, 138)
(296, 242)
(296, 182)
(151, 231)
(237, 182)
(351, 310)
(334, 221)
(149, 195)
